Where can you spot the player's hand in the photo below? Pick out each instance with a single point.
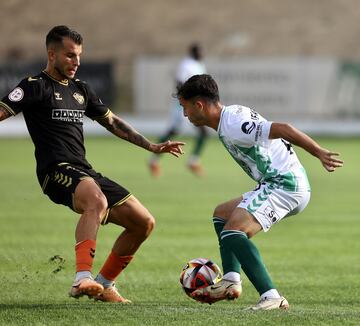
(172, 147)
(328, 160)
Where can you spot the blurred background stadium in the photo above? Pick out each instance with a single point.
(296, 61)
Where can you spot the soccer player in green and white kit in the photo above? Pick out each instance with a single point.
(263, 149)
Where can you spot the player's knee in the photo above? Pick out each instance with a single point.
(243, 222)
(145, 227)
(219, 211)
(148, 225)
(98, 204)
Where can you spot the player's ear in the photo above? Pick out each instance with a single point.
(51, 53)
(199, 105)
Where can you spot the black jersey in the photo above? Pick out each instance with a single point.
(54, 114)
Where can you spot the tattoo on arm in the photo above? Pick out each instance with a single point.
(4, 114)
(123, 130)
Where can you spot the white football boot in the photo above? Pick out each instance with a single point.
(270, 304)
(86, 286)
(221, 290)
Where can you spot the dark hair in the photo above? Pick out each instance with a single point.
(195, 51)
(203, 86)
(57, 34)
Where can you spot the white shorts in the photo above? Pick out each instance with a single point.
(269, 205)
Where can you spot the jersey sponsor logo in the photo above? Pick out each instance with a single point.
(248, 127)
(68, 115)
(16, 95)
(58, 96)
(78, 97)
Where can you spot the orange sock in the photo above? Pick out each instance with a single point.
(85, 253)
(114, 265)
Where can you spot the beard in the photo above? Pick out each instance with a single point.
(61, 72)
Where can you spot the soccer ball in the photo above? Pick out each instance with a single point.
(199, 273)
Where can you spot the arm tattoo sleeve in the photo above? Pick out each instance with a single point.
(4, 114)
(123, 130)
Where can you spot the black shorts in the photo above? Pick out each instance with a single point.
(59, 184)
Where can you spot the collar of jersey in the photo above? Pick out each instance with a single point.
(64, 82)
(220, 120)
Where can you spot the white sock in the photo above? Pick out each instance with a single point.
(273, 293)
(103, 281)
(193, 159)
(82, 274)
(232, 276)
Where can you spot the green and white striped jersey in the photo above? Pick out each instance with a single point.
(245, 135)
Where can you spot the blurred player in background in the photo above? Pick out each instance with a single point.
(263, 150)
(191, 65)
(54, 104)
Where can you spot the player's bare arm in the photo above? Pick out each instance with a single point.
(4, 114)
(122, 129)
(296, 137)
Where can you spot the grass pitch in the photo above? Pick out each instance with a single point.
(313, 257)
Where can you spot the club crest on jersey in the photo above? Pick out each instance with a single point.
(16, 95)
(78, 97)
(248, 127)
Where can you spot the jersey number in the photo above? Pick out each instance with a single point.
(288, 146)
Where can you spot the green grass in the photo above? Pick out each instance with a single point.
(313, 257)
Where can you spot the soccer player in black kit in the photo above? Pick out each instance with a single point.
(54, 104)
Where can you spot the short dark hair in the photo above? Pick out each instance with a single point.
(57, 34)
(195, 51)
(203, 86)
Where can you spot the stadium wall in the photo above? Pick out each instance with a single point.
(290, 88)
(318, 95)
